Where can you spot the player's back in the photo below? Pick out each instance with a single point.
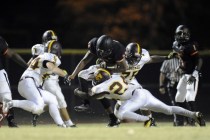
(116, 87)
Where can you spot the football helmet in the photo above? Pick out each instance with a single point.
(100, 76)
(182, 34)
(104, 46)
(49, 35)
(53, 47)
(133, 53)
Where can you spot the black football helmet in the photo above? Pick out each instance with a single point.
(100, 76)
(104, 46)
(53, 47)
(182, 34)
(133, 53)
(49, 35)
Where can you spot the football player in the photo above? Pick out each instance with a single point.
(5, 92)
(31, 80)
(137, 57)
(133, 99)
(191, 64)
(51, 82)
(112, 54)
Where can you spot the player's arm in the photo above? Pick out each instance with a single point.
(162, 79)
(85, 60)
(99, 95)
(15, 57)
(54, 69)
(120, 66)
(157, 59)
(198, 64)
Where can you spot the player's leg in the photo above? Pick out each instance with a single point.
(113, 121)
(84, 78)
(5, 93)
(156, 105)
(127, 110)
(178, 120)
(53, 87)
(190, 98)
(51, 101)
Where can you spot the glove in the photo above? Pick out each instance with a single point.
(162, 90)
(191, 80)
(171, 55)
(66, 79)
(103, 64)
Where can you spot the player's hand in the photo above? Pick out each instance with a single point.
(103, 64)
(171, 55)
(67, 81)
(162, 90)
(191, 80)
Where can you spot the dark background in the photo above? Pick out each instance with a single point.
(150, 22)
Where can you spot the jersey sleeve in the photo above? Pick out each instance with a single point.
(37, 49)
(3, 46)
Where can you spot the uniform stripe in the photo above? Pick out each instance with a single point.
(138, 47)
(50, 46)
(105, 71)
(169, 67)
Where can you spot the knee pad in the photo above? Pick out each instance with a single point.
(37, 109)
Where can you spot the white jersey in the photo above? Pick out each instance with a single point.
(116, 88)
(36, 69)
(133, 70)
(37, 49)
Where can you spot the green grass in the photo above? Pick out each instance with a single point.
(99, 131)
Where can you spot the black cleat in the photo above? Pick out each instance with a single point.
(72, 126)
(82, 108)
(12, 124)
(150, 123)
(199, 119)
(34, 120)
(113, 124)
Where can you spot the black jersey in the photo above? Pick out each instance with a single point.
(189, 55)
(116, 55)
(3, 49)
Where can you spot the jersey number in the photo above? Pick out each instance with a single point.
(118, 88)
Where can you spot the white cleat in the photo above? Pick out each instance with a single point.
(7, 104)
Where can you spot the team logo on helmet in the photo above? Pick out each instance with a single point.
(100, 76)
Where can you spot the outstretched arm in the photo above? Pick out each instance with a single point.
(85, 60)
(157, 59)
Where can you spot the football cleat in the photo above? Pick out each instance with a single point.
(150, 123)
(113, 122)
(12, 124)
(82, 108)
(61, 125)
(80, 93)
(199, 119)
(34, 120)
(7, 104)
(72, 126)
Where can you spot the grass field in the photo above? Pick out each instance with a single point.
(99, 131)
